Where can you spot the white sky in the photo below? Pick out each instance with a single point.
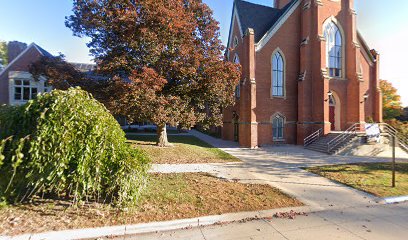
(384, 25)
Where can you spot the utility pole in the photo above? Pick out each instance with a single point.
(393, 160)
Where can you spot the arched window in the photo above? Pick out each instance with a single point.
(332, 101)
(278, 76)
(333, 49)
(278, 127)
(236, 42)
(237, 88)
(236, 59)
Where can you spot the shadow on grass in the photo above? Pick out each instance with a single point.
(150, 140)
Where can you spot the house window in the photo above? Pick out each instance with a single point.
(278, 76)
(278, 127)
(333, 49)
(23, 91)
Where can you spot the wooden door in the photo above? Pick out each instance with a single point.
(332, 117)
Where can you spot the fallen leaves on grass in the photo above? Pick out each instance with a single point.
(168, 197)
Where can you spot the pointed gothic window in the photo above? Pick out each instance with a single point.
(236, 59)
(333, 49)
(236, 41)
(278, 76)
(278, 127)
(237, 88)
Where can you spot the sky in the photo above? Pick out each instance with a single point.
(383, 24)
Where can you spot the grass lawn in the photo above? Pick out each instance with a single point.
(187, 149)
(374, 178)
(135, 130)
(168, 197)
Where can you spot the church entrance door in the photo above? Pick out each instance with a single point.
(334, 111)
(333, 117)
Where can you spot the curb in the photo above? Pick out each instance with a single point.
(151, 227)
(391, 200)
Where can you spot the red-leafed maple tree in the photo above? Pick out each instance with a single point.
(164, 59)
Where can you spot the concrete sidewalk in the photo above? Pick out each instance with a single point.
(375, 222)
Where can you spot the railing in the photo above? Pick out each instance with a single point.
(359, 127)
(352, 132)
(401, 139)
(313, 137)
(345, 136)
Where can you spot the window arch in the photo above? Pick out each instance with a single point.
(236, 59)
(236, 42)
(238, 87)
(334, 49)
(278, 127)
(332, 100)
(278, 75)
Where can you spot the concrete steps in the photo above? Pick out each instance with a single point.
(321, 145)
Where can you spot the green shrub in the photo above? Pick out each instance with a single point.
(67, 144)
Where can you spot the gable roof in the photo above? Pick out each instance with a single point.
(258, 17)
(83, 67)
(32, 45)
(42, 51)
(365, 47)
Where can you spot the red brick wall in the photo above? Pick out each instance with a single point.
(287, 40)
(368, 86)
(227, 132)
(14, 49)
(281, 3)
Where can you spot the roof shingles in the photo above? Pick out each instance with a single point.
(258, 17)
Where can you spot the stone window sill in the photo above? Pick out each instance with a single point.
(338, 78)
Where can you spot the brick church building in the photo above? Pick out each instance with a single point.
(305, 67)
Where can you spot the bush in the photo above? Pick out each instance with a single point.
(67, 144)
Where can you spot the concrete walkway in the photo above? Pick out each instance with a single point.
(338, 212)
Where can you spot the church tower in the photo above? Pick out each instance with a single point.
(332, 94)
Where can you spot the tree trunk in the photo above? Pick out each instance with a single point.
(162, 140)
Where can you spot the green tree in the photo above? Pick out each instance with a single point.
(165, 59)
(3, 54)
(392, 106)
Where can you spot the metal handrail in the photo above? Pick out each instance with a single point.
(402, 140)
(313, 137)
(355, 128)
(351, 131)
